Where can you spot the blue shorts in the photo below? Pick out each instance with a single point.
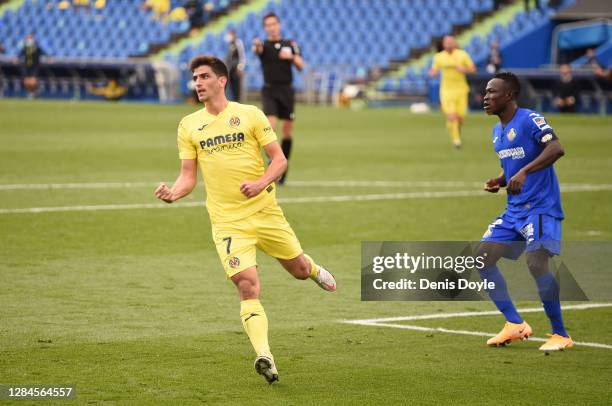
(532, 233)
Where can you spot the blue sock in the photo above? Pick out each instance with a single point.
(500, 295)
(549, 294)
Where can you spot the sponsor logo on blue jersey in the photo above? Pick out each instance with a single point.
(516, 145)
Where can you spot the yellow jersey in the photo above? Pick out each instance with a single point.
(228, 149)
(447, 62)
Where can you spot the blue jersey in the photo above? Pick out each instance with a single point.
(517, 144)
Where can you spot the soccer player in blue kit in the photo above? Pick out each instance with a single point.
(527, 148)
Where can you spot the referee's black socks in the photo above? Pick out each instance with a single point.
(286, 147)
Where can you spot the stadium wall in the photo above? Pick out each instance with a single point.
(530, 51)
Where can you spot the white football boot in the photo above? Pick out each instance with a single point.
(264, 365)
(325, 280)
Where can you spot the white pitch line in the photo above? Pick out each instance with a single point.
(469, 314)
(286, 200)
(474, 333)
(289, 200)
(383, 322)
(295, 183)
(98, 185)
(101, 207)
(380, 183)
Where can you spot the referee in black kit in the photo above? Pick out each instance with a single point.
(277, 56)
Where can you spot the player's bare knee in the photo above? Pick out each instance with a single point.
(247, 290)
(487, 258)
(537, 263)
(247, 285)
(488, 261)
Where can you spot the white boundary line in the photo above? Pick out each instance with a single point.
(385, 322)
(292, 200)
(468, 314)
(98, 185)
(295, 183)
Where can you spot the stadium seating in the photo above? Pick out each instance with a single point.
(416, 81)
(119, 30)
(348, 37)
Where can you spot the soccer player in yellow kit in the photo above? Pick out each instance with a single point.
(225, 139)
(453, 63)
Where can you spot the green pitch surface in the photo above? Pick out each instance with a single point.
(104, 290)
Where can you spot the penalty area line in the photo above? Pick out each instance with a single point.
(385, 322)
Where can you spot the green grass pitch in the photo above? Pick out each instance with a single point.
(132, 305)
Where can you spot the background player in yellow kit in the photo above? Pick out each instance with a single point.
(225, 139)
(453, 63)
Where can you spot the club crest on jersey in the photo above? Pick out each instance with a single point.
(234, 121)
(234, 262)
(511, 134)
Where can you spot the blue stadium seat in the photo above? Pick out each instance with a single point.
(120, 22)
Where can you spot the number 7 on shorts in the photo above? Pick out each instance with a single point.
(229, 243)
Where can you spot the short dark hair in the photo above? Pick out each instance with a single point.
(271, 14)
(216, 64)
(511, 81)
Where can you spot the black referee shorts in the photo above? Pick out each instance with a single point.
(278, 101)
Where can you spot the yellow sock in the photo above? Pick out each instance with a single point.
(453, 128)
(314, 269)
(255, 324)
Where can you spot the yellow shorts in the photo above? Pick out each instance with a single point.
(455, 102)
(267, 230)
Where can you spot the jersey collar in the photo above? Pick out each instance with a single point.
(221, 113)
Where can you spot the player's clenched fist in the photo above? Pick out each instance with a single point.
(251, 188)
(516, 182)
(493, 185)
(164, 193)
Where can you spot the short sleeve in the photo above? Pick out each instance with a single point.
(186, 148)
(541, 131)
(262, 130)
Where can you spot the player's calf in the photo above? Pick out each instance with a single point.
(299, 267)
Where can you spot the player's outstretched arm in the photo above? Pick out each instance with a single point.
(549, 155)
(183, 185)
(493, 185)
(278, 165)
